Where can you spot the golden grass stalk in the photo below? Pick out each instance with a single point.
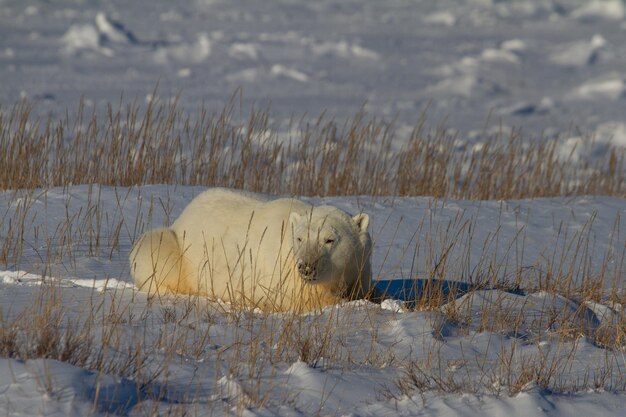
(129, 145)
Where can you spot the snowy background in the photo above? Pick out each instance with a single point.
(552, 67)
(548, 66)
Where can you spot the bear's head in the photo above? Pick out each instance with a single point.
(332, 248)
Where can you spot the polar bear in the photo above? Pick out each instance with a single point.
(252, 251)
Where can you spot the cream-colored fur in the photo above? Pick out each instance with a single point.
(240, 247)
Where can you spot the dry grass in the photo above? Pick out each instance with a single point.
(246, 352)
(128, 145)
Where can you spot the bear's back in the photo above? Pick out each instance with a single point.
(225, 234)
(218, 209)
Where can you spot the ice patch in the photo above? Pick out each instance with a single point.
(193, 53)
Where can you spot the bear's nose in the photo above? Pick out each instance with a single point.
(307, 270)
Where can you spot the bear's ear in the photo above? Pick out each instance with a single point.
(362, 220)
(294, 218)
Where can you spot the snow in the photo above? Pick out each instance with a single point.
(613, 132)
(83, 37)
(244, 51)
(441, 18)
(52, 388)
(278, 70)
(113, 31)
(392, 305)
(25, 278)
(603, 9)
(409, 236)
(580, 54)
(611, 87)
(545, 65)
(461, 60)
(187, 53)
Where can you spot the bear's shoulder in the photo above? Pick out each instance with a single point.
(288, 205)
(229, 194)
(235, 204)
(219, 194)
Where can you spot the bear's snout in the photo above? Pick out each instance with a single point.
(307, 270)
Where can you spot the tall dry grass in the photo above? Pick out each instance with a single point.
(162, 144)
(129, 145)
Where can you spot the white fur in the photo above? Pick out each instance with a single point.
(243, 248)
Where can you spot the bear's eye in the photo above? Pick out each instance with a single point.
(299, 239)
(330, 241)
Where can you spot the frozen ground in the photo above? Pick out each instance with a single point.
(553, 66)
(207, 360)
(545, 65)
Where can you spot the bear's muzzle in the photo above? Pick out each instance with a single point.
(307, 270)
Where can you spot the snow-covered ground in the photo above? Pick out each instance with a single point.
(521, 346)
(468, 357)
(548, 66)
